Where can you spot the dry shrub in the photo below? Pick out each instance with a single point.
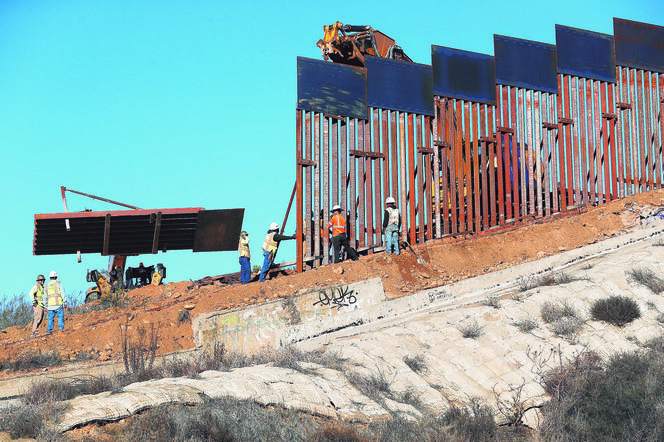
(33, 361)
(415, 363)
(616, 310)
(139, 352)
(647, 278)
(337, 432)
(525, 325)
(470, 329)
(552, 312)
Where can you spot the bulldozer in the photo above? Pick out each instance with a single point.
(349, 44)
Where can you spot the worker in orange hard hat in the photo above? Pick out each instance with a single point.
(339, 237)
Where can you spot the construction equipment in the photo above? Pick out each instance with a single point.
(420, 260)
(350, 44)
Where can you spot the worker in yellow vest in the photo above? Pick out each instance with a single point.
(37, 299)
(245, 258)
(270, 246)
(55, 302)
(339, 238)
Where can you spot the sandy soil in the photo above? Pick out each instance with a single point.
(447, 261)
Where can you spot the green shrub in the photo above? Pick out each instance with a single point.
(549, 279)
(415, 363)
(616, 310)
(27, 421)
(471, 330)
(525, 325)
(15, 311)
(57, 390)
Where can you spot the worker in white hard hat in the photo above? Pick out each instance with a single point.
(391, 226)
(270, 246)
(339, 237)
(55, 302)
(245, 258)
(37, 299)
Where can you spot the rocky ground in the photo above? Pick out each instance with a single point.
(98, 332)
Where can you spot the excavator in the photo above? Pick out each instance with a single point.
(349, 44)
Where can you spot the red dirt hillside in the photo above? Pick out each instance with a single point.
(448, 261)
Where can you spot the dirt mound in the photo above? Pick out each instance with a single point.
(447, 260)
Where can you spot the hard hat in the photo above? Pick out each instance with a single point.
(390, 200)
(274, 226)
(41, 277)
(53, 274)
(244, 233)
(336, 207)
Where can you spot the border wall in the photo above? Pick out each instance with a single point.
(476, 142)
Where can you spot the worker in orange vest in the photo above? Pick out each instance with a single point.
(339, 237)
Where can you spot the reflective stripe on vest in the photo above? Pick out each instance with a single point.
(243, 247)
(393, 214)
(269, 244)
(53, 294)
(337, 224)
(38, 294)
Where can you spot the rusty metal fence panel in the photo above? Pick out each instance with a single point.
(487, 150)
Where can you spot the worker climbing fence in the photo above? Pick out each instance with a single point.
(475, 142)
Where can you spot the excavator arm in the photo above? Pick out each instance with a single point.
(350, 44)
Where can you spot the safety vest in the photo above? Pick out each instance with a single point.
(243, 247)
(393, 216)
(53, 294)
(37, 294)
(269, 244)
(337, 224)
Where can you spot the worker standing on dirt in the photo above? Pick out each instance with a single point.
(245, 258)
(339, 237)
(37, 298)
(391, 226)
(270, 246)
(55, 302)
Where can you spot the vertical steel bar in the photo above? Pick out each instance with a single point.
(531, 151)
(500, 154)
(361, 186)
(524, 157)
(483, 169)
(639, 108)
(325, 171)
(605, 135)
(419, 172)
(343, 170)
(317, 180)
(493, 170)
(412, 199)
(428, 209)
(403, 170)
(334, 162)
(352, 191)
(476, 167)
(368, 193)
(576, 100)
(537, 151)
(308, 186)
(394, 155)
(650, 139)
(555, 171)
(469, 156)
(439, 119)
(378, 179)
(660, 144)
(458, 166)
(597, 143)
(515, 145)
(300, 222)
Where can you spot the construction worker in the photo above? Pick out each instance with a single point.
(245, 258)
(55, 302)
(391, 226)
(339, 238)
(37, 298)
(270, 246)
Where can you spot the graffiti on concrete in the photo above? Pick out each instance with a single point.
(337, 297)
(436, 295)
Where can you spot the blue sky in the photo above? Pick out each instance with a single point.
(166, 104)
